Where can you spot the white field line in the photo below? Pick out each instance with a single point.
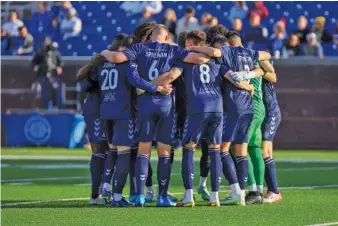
(175, 193)
(30, 180)
(153, 158)
(324, 224)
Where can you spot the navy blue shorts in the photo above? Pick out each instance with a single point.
(94, 130)
(119, 132)
(236, 127)
(206, 125)
(270, 125)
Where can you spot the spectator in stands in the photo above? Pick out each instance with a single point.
(239, 10)
(134, 7)
(12, 25)
(146, 15)
(302, 30)
(256, 33)
(169, 20)
(277, 40)
(188, 22)
(260, 9)
(312, 47)
(213, 22)
(292, 46)
(43, 17)
(237, 26)
(60, 12)
(27, 46)
(72, 25)
(323, 35)
(204, 23)
(5, 42)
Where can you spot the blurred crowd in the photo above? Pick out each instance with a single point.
(59, 21)
(62, 20)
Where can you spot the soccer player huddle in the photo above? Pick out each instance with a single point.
(209, 91)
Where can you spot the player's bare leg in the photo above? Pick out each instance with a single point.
(215, 173)
(96, 171)
(163, 174)
(273, 195)
(230, 174)
(141, 170)
(188, 170)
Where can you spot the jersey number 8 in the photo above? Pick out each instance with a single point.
(204, 73)
(108, 83)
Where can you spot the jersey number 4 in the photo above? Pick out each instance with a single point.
(110, 79)
(204, 73)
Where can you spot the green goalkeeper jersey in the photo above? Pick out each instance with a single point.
(258, 94)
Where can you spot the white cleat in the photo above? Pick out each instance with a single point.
(233, 199)
(97, 202)
(272, 198)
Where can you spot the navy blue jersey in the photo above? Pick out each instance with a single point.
(269, 95)
(115, 91)
(237, 59)
(153, 59)
(202, 87)
(91, 107)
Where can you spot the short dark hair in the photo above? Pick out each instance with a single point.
(117, 41)
(128, 41)
(232, 33)
(143, 31)
(217, 39)
(189, 10)
(182, 37)
(197, 37)
(216, 30)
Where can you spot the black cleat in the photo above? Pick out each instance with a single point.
(254, 197)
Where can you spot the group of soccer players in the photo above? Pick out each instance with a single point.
(209, 91)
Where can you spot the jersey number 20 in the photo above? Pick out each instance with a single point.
(204, 73)
(110, 79)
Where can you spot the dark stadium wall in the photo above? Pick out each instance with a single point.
(307, 93)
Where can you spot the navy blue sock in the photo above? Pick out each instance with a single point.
(215, 168)
(243, 171)
(141, 172)
(270, 175)
(149, 181)
(96, 171)
(121, 170)
(205, 159)
(172, 155)
(188, 168)
(163, 175)
(132, 180)
(109, 165)
(229, 169)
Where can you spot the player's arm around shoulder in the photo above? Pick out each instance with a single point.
(207, 50)
(241, 85)
(114, 57)
(168, 77)
(269, 71)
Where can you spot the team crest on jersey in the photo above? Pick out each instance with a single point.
(37, 129)
(109, 96)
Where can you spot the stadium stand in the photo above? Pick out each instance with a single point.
(101, 21)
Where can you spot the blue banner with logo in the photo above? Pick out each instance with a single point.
(59, 130)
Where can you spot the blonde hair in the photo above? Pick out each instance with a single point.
(170, 15)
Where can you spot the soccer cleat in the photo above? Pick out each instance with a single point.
(233, 199)
(171, 196)
(149, 196)
(140, 201)
(97, 202)
(132, 198)
(272, 198)
(254, 197)
(186, 204)
(203, 191)
(214, 204)
(122, 203)
(165, 202)
(106, 195)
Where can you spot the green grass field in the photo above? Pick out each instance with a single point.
(36, 189)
